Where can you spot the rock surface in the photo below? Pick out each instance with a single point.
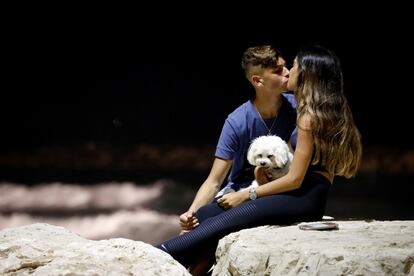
(43, 249)
(357, 248)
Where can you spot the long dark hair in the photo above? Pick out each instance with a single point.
(320, 95)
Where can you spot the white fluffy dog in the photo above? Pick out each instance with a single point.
(271, 152)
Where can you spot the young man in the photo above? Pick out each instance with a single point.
(269, 112)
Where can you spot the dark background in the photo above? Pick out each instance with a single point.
(99, 93)
(171, 78)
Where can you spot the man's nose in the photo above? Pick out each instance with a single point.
(286, 72)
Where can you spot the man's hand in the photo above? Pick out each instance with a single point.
(262, 175)
(231, 200)
(188, 221)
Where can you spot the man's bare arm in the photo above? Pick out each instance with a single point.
(206, 192)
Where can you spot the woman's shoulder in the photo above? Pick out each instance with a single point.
(304, 122)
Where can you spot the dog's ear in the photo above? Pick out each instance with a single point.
(281, 158)
(289, 154)
(290, 157)
(250, 154)
(281, 153)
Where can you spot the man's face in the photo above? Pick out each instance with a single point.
(276, 78)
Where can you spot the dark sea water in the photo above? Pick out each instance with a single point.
(136, 206)
(144, 205)
(372, 196)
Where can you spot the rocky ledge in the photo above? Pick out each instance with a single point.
(44, 249)
(357, 248)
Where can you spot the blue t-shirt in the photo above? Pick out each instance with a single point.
(294, 138)
(242, 126)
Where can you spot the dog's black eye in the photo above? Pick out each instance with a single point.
(259, 155)
(270, 156)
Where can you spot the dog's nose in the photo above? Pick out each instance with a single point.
(262, 163)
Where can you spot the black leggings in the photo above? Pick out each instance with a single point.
(304, 204)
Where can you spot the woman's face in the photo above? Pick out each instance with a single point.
(293, 76)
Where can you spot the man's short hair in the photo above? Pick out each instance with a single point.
(265, 56)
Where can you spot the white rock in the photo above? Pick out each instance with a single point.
(357, 248)
(43, 249)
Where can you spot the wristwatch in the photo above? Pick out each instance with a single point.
(252, 193)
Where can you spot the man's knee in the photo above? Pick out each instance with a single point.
(208, 211)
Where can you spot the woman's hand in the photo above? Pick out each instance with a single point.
(233, 199)
(262, 175)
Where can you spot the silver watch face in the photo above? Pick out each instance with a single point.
(252, 194)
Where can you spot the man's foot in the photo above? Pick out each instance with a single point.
(202, 267)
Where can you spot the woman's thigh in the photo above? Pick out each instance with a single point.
(275, 209)
(281, 209)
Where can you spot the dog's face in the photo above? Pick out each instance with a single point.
(269, 151)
